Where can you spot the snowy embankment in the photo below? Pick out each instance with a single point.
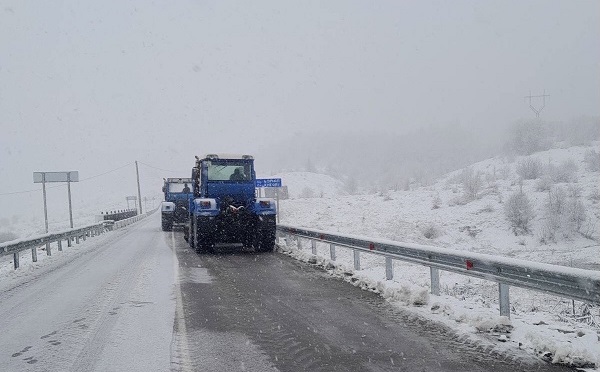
(448, 214)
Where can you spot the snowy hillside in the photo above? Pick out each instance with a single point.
(447, 214)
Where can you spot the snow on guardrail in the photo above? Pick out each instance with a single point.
(572, 283)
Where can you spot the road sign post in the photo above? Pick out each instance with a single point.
(69, 192)
(134, 198)
(277, 192)
(269, 182)
(43, 177)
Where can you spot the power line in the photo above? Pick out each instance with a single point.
(23, 192)
(102, 174)
(160, 169)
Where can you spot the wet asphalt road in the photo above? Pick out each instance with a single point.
(241, 311)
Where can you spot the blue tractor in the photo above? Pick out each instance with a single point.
(174, 210)
(224, 209)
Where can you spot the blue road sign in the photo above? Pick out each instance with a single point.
(268, 182)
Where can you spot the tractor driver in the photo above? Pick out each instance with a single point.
(186, 189)
(236, 175)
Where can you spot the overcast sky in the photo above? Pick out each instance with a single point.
(92, 87)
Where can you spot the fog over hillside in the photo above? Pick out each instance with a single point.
(391, 160)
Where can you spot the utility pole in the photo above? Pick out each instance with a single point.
(137, 172)
(536, 110)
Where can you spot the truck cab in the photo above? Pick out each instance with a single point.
(224, 208)
(174, 209)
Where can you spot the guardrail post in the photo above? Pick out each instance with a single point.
(389, 268)
(59, 242)
(313, 245)
(435, 280)
(34, 254)
(69, 241)
(48, 250)
(84, 235)
(76, 239)
(299, 242)
(504, 299)
(16, 259)
(356, 259)
(332, 251)
(288, 238)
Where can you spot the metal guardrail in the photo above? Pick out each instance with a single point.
(576, 284)
(122, 223)
(119, 215)
(16, 246)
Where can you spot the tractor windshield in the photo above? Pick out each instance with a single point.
(179, 187)
(230, 171)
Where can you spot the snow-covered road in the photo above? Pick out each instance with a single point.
(110, 307)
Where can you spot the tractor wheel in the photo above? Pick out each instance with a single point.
(266, 240)
(201, 243)
(189, 236)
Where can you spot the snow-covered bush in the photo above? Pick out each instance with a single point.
(565, 215)
(431, 231)
(544, 183)
(436, 203)
(557, 201)
(471, 182)
(489, 208)
(574, 190)
(564, 172)
(576, 214)
(519, 212)
(529, 168)
(592, 161)
(504, 172)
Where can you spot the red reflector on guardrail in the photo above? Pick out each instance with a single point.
(371, 246)
(469, 264)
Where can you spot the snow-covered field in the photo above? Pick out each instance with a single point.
(441, 215)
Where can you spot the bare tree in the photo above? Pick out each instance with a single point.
(519, 212)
